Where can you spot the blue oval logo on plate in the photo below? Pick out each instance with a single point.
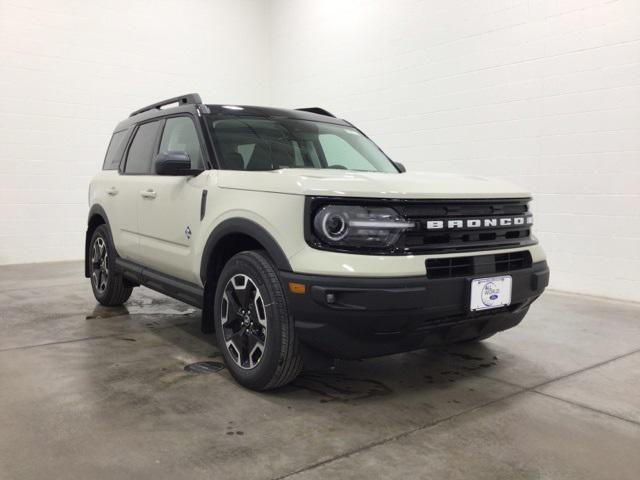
(493, 297)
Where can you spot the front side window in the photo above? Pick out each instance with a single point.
(141, 149)
(180, 135)
(249, 143)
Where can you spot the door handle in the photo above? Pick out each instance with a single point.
(112, 191)
(149, 193)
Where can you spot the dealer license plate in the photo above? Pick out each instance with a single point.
(494, 292)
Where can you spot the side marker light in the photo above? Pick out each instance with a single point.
(299, 288)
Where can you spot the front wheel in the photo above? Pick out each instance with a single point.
(254, 328)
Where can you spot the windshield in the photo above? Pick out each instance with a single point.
(249, 143)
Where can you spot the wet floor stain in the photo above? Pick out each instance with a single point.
(200, 368)
(471, 364)
(158, 306)
(232, 429)
(100, 311)
(141, 306)
(466, 356)
(479, 365)
(334, 387)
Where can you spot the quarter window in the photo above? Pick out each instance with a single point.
(114, 151)
(141, 149)
(180, 136)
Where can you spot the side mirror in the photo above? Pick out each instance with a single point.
(401, 168)
(174, 163)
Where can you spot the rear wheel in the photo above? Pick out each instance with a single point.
(108, 287)
(254, 328)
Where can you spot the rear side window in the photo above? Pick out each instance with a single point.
(180, 136)
(115, 150)
(141, 149)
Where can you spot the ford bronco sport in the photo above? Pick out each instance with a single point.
(301, 241)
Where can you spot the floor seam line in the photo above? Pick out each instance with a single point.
(521, 390)
(570, 402)
(587, 407)
(399, 435)
(585, 369)
(561, 377)
(61, 342)
(83, 339)
(48, 286)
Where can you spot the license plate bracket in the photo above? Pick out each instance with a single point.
(491, 292)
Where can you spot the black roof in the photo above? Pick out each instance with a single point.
(191, 102)
(272, 112)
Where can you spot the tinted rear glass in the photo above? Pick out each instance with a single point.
(114, 151)
(141, 149)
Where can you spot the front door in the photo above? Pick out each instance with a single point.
(169, 206)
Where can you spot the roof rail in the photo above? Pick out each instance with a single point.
(189, 98)
(318, 110)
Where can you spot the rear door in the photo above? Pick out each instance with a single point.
(169, 216)
(105, 187)
(130, 186)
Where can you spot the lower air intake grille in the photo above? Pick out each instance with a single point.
(478, 265)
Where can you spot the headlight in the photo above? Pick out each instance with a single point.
(346, 225)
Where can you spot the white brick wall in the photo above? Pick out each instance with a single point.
(545, 93)
(70, 70)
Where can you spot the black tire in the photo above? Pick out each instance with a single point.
(266, 354)
(108, 287)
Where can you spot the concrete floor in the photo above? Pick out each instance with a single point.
(89, 393)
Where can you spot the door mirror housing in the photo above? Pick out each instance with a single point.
(401, 168)
(174, 163)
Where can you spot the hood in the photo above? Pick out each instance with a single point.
(341, 183)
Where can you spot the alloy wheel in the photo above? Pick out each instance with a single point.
(99, 262)
(244, 321)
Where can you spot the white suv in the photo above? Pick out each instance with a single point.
(301, 240)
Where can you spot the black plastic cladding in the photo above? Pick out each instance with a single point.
(407, 208)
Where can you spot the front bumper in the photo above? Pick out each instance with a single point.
(352, 318)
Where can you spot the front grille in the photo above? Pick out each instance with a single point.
(458, 225)
(478, 265)
(441, 226)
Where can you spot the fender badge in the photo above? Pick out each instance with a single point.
(187, 232)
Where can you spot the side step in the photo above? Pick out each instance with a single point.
(186, 292)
